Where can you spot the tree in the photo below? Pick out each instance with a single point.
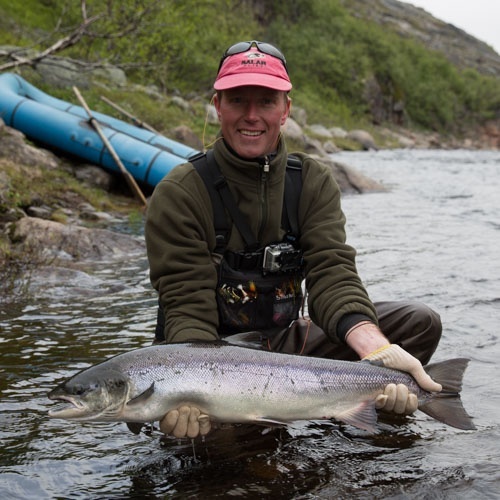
(115, 19)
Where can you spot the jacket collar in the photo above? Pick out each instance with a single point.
(234, 166)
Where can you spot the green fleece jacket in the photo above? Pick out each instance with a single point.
(180, 240)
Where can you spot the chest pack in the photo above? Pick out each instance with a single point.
(259, 288)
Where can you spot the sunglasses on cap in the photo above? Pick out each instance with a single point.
(265, 48)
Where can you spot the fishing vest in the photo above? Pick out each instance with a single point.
(259, 288)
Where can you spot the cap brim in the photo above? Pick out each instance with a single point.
(241, 80)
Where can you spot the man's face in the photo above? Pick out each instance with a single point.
(251, 118)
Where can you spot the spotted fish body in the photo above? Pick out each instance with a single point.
(234, 384)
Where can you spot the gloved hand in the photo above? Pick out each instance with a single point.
(187, 421)
(397, 398)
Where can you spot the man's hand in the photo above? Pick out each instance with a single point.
(187, 421)
(371, 344)
(397, 398)
(393, 356)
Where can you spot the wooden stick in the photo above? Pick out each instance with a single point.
(135, 120)
(128, 177)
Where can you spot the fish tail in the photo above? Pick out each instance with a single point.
(446, 406)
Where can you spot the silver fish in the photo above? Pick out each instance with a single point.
(234, 384)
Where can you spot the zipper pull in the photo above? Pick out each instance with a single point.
(265, 168)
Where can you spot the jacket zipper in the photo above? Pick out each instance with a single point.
(263, 194)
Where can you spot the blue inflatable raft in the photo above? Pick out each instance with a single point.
(64, 126)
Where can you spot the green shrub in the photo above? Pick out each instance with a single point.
(331, 54)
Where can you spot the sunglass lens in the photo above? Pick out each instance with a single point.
(238, 48)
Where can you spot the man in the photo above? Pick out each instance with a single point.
(205, 296)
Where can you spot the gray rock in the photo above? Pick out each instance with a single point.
(350, 180)
(185, 135)
(330, 147)
(64, 72)
(53, 240)
(293, 131)
(320, 130)
(15, 148)
(338, 132)
(364, 138)
(314, 147)
(43, 212)
(181, 103)
(211, 114)
(94, 176)
(299, 115)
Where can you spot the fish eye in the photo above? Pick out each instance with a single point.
(78, 390)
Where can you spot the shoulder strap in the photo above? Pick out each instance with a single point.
(222, 199)
(221, 224)
(293, 189)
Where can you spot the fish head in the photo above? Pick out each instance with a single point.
(93, 394)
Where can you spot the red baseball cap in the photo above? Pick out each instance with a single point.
(253, 67)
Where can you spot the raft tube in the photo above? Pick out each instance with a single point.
(61, 125)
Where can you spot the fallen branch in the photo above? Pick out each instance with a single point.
(128, 177)
(134, 119)
(61, 44)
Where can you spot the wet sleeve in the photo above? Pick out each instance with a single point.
(334, 286)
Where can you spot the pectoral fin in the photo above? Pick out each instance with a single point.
(134, 427)
(144, 396)
(362, 416)
(269, 421)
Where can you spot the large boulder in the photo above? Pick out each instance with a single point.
(350, 180)
(364, 138)
(293, 131)
(52, 241)
(15, 148)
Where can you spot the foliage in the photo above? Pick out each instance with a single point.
(338, 63)
(57, 188)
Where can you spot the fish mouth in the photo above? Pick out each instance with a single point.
(69, 408)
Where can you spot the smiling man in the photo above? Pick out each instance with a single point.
(232, 234)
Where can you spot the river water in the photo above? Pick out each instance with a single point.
(433, 236)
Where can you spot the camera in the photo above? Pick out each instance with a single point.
(281, 257)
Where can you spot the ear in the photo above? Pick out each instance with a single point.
(215, 100)
(288, 109)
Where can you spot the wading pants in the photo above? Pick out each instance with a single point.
(412, 325)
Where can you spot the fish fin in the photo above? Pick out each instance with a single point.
(448, 373)
(446, 406)
(134, 427)
(269, 421)
(362, 416)
(143, 396)
(250, 340)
